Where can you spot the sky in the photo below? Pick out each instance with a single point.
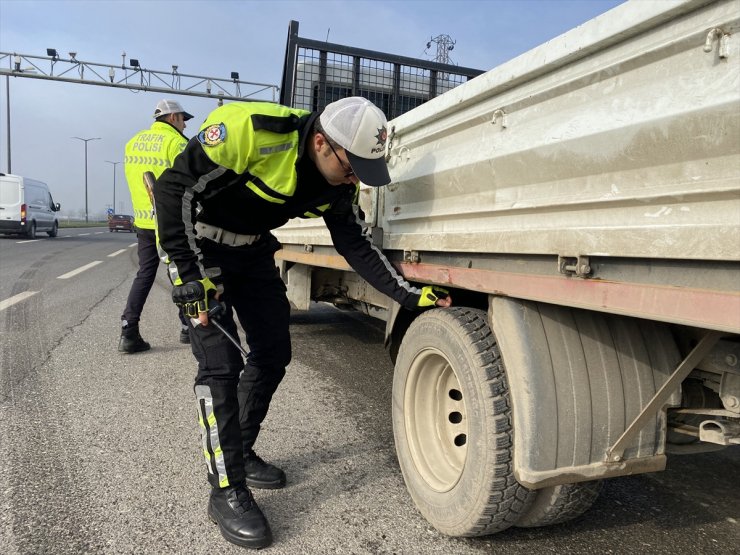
(213, 38)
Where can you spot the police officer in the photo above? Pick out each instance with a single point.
(251, 168)
(151, 150)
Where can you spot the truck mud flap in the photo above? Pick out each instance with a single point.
(578, 379)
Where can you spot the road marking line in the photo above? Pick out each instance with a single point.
(111, 255)
(16, 299)
(28, 241)
(81, 234)
(98, 232)
(79, 270)
(132, 245)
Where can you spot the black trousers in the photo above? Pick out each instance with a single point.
(148, 263)
(234, 397)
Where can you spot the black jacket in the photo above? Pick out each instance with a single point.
(198, 189)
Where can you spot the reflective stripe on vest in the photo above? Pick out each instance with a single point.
(262, 190)
(318, 213)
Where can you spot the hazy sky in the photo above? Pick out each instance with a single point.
(213, 38)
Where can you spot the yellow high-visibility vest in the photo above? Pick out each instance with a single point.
(152, 150)
(258, 138)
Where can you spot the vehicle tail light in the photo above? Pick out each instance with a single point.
(23, 213)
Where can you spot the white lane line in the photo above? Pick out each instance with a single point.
(82, 234)
(16, 299)
(98, 232)
(111, 255)
(132, 245)
(27, 241)
(79, 270)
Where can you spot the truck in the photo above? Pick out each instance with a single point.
(581, 203)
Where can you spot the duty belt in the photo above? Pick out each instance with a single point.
(222, 236)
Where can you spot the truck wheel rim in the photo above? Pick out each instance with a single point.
(436, 420)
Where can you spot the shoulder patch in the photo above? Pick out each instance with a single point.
(213, 135)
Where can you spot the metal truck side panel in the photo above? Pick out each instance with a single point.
(599, 142)
(618, 141)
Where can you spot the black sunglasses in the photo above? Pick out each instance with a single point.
(347, 168)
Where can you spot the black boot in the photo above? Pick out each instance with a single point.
(240, 519)
(260, 474)
(131, 340)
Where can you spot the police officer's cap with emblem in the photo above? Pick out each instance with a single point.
(360, 127)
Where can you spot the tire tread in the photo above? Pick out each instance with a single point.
(506, 500)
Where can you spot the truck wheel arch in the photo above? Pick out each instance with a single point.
(399, 320)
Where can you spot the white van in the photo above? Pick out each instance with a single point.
(26, 207)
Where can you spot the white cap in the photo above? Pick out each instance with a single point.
(165, 107)
(360, 128)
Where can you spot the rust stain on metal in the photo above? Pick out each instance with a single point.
(694, 307)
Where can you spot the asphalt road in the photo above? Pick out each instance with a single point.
(99, 451)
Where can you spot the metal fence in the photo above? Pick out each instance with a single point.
(317, 73)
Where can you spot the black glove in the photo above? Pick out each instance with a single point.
(430, 294)
(193, 296)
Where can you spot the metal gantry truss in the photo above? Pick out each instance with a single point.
(133, 77)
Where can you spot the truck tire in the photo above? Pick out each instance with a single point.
(452, 424)
(54, 231)
(558, 504)
(31, 231)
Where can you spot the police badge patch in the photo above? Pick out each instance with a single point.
(213, 135)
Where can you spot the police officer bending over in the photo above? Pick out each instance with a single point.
(251, 168)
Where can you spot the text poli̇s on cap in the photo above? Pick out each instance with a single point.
(360, 128)
(165, 107)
